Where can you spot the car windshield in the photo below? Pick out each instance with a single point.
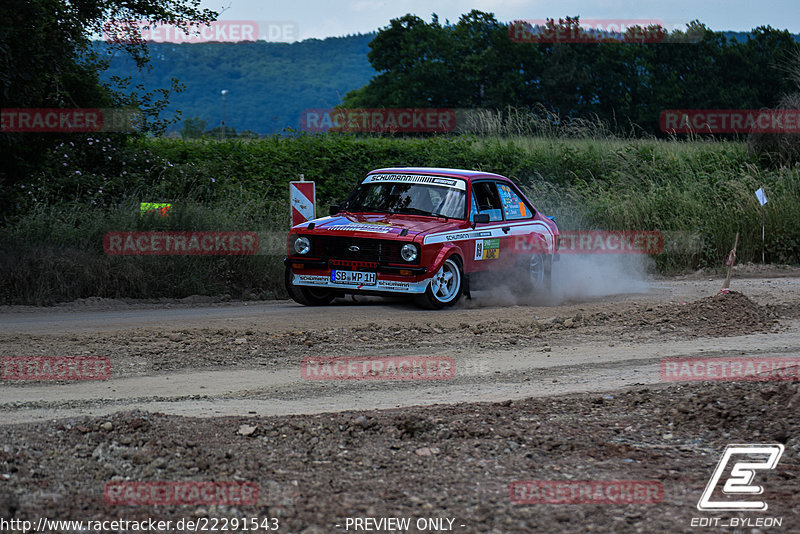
(411, 198)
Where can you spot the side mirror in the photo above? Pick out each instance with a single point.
(480, 218)
(334, 209)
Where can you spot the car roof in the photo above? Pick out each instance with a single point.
(438, 171)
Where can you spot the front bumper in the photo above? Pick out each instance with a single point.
(388, 279)
(381, 285)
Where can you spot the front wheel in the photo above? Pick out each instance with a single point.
(307, 296)
(445, 286)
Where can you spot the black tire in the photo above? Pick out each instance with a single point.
(445, 287)
(534, 273)
(307, 296)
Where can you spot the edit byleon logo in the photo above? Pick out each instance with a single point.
(745, 461)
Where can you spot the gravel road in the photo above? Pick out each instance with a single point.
(206, 391)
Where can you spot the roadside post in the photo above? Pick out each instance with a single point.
(762, 199)
(303, 201)
(729, 262)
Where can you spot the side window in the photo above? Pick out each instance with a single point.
(513, 206)
(485, 199)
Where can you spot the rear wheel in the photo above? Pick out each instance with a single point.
(307, 296)
(535, 273)
(445, 286)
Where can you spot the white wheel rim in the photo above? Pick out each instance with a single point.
(446, 283)
(536, 270)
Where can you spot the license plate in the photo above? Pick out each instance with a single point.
(357, 278)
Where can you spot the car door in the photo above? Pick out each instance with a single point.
(491, 249)
(527, 235)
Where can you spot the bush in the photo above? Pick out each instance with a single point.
(778, 150)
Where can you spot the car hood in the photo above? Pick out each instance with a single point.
(372, 225)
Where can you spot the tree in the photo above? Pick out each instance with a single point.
(475, 64)
(193, 128)
(413, 59)
(47, 61)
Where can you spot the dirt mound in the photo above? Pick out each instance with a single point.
(726, 314)
(722, 315)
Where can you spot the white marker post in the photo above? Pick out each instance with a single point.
(762, 199)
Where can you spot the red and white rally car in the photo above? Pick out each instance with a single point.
(429, 232)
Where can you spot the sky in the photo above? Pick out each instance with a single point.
(323, 18)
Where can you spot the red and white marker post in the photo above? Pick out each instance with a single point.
(303, 201)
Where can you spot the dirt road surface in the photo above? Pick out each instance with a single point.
(570, 391)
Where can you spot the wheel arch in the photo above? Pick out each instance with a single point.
(450, 250)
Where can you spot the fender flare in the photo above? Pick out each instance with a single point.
(532, 243)
(450, 249)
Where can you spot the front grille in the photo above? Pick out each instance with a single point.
(372, 250)
(354, 265)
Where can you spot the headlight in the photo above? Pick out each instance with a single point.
(302, 245)
(409, 252)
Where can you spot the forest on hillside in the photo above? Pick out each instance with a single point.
(268, 84)
(468, 64)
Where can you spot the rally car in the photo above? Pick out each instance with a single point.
(433, 233)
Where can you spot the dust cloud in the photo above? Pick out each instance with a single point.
(577, 278)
